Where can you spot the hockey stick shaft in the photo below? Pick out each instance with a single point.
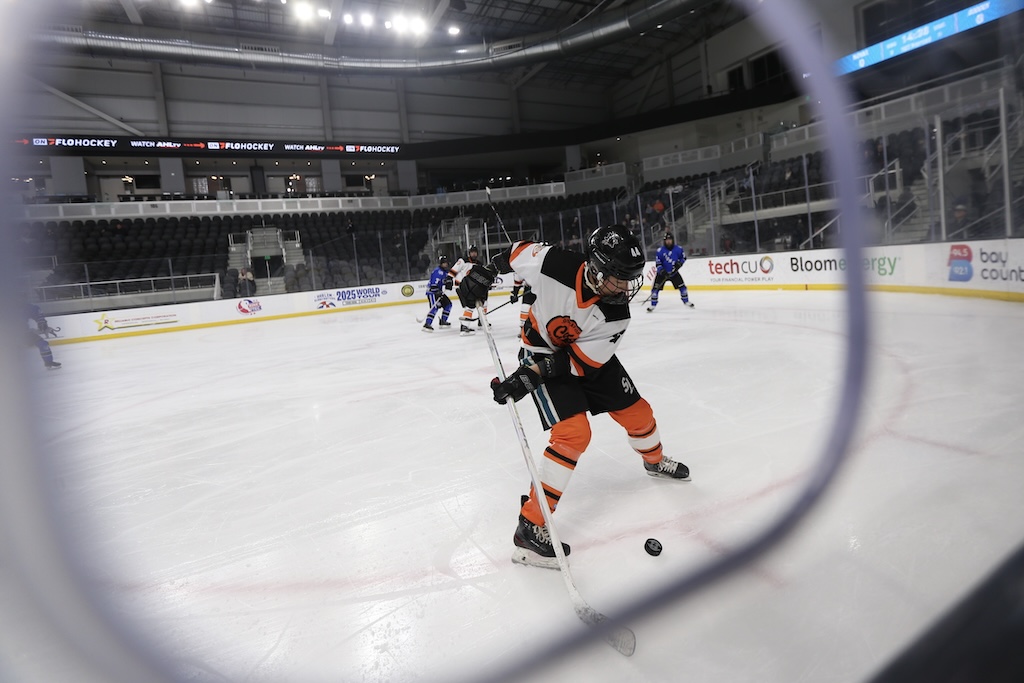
(497, 216)
(621, 638)
(498, 307)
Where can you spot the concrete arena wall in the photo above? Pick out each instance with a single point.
(991, 269)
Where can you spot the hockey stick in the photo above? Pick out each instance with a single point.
(497, 307)
(497, 216)
(619, 637)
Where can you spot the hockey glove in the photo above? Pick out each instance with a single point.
(476, 283)
(516, 386)
(515, 295)
(449, 282)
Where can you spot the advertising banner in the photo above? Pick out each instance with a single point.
(993, 268)
(204, 147)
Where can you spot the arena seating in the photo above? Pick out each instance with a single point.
(349, 248)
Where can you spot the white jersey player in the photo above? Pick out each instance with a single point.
(569, 366)
(458, 272)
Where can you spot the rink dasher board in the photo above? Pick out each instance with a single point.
(991, 269)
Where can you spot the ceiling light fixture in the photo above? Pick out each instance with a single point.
(366, 19)
(323, 13)
(453, 30)
(400, 23)
(418, 26)
(304, 11)
(347, 18)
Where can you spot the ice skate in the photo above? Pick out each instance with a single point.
(533, 546)
(465, 331)
(52, 365)
(427, 327)
(668, 468)
(444, 323)
(650, 309)
(687, 303)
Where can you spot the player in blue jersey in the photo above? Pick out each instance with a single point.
(37, 337)
(440, 280)
(669, 259)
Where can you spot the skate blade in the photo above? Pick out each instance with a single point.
(532, 559)
(659, 475)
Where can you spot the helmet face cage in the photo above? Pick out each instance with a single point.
(614, 252)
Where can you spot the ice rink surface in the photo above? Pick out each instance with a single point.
(332, 498)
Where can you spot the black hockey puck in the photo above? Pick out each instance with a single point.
(653, 547)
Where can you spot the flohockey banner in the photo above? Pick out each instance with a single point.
(201, 147)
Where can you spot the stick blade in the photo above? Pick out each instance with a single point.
(620, 637)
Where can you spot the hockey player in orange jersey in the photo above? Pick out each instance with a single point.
(569, 366)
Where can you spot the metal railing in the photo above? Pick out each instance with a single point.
(164, 208)
(820, 233)
(169, 284)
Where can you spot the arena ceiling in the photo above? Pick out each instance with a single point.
(320, 26)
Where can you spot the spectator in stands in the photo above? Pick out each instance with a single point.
(117, 228)
(659, 210)
(797, 234)
(905, 207)
(958, 224)
(246, 283)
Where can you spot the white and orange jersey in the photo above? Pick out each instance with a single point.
(567, 313)
(459, 270)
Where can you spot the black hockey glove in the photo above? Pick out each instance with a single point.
(476, 283)
(449, 282)
(516, 386)
(515, 295)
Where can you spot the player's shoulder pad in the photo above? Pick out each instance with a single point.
(562, 265)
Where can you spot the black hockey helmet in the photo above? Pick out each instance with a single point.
(613, 251)
(668, 236)
(442, 259)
